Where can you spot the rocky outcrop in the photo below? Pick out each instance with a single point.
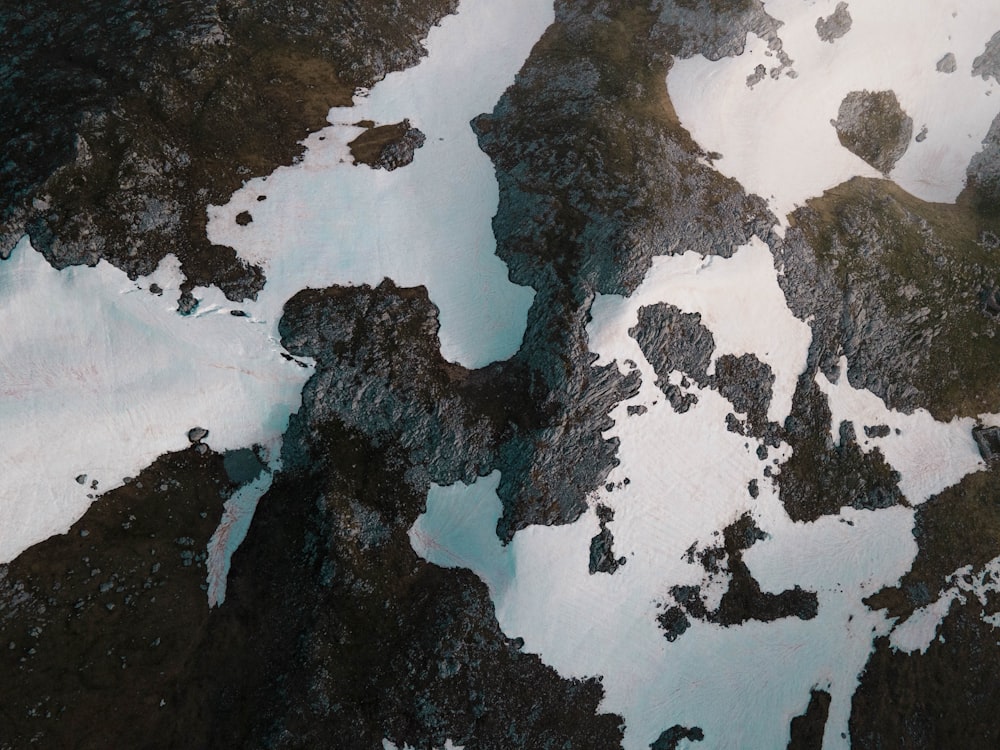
(896, 285)
(822, 476)
(835, 25)
(124, 121)
(987, 64)
(807, 729)
(101, 626)
(873, 126)
(944, 697)
(743, 599)
(387, 147)
(670, 739)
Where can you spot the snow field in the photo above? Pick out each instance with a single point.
(99, 377)
(688, 479)
(776, 138)
(326, 221)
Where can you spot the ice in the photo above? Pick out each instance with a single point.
(327, 221)
(99, 377)
(776, 138)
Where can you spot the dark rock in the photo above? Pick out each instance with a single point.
(987, 64)
(821, 477)
(947, 63)
(864, 262)
(674, 340)
(387, 147)
(743, 600)
(835, 25)
(807, 729)
(602, 557)
(988, 441)
(873, 126)
(636, 410)
(197, 434)
(877, 431)
(243, 218)
(670, 739)
(958, 527)
(157, 110)
(753, 489)
(944, 697)
(674, 623)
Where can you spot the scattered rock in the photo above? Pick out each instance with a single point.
(243, 218)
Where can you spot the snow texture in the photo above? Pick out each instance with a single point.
(327, 221)
(776, 137)
(682, 479)
(99, 377)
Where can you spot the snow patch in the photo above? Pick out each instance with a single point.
(327, 221)
(776, 137)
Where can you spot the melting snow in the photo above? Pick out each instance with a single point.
(776, 138)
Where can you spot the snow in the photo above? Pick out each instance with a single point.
(687, 480)
(930, 455)
(776, 138)
(99, 377)
(327, 221)
(740, 303)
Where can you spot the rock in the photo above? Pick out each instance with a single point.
(873, 126)
(197, 434)
(387, 147)
(987, 64)
(835, 25)
(947, 64)
(807, 729)
(670, 739)
(988, 441)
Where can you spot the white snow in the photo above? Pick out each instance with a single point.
(776, 138)
(740, 303)
(327, 221)
(930, 455)
(688, 479)
(99, 377)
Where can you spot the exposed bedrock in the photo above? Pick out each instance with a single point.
(903, 289)
(946, 696)
(743, 599)
(835, 25)
(807, 729)
(101, 626)
(387, 147)
(124, 119)
(596, 173)
(873, 126)
(824, 475)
